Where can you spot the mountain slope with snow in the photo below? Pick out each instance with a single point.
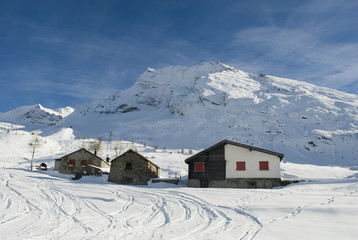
(195, 107)
(187, 108)
(36, 114)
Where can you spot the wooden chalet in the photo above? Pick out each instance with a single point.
(234, 165)
(132, 168)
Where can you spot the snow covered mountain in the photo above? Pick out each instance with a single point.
(187, 108)
(194, 107)
(36, 114)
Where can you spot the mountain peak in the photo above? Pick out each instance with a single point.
(194, 107)
(36, 114)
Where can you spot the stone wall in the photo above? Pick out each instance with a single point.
(78, 156)
(130, 168)
(238, 183)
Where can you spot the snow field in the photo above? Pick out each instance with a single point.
(50, 205)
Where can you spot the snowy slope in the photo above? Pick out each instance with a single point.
(181, 107)
(195, 107)
(36, 114)
(49, 205)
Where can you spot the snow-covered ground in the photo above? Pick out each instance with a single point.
(49, 205)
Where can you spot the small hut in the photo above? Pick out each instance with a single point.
(132, 168)
(81, 161)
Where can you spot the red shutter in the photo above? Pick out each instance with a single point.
(84, 163)
(264, 165)
(199, 167)
(240, 166)
(72, 162)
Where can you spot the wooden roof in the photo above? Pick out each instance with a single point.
(224, 142)
(141, 156)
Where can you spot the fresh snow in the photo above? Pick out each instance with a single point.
(36, 114)
(213, 101)
(198, 106)
(182, 109)
(49, 205)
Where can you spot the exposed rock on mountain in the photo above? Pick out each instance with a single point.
(36, 114)
(194, 107)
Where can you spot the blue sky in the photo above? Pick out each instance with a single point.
(60, 53)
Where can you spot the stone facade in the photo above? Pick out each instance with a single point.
(80, 161)
(237, 183)
(132, 168)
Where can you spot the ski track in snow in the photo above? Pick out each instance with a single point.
(169, 213)
(48, 205)
(43, 204)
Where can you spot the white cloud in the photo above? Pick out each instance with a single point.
(309, 48)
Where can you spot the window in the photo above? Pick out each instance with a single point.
(240, 166)
(128, 166)
(199, 167)
(72, 162)
(264, 165)
(84, 163)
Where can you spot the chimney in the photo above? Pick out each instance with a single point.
(107, 158)
(95, 152)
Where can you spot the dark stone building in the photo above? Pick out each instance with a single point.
(132, 168)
